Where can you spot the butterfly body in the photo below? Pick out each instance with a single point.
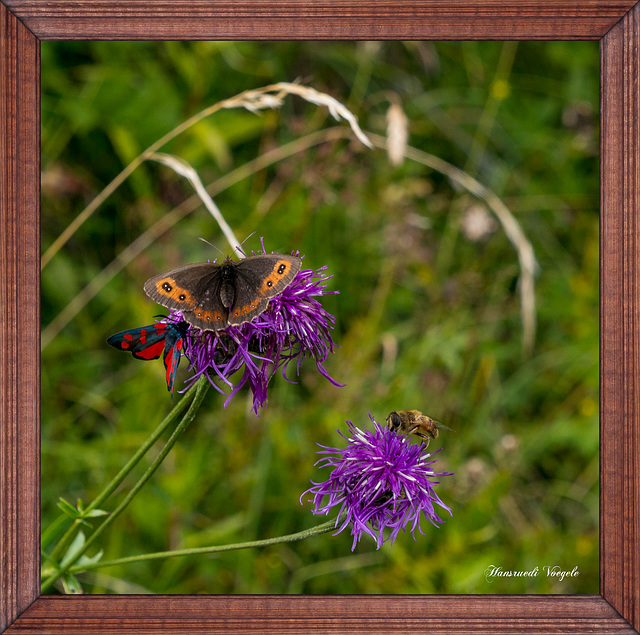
(213, 296)
(152, 341)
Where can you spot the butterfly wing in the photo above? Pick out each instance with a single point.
(197, 290)
(183, 288)
(259, 278)
(145, 342)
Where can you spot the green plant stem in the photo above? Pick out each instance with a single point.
(201, 388)
(301, 535)
(111, 487)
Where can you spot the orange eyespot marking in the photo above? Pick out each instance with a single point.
(246, 309)
(280, 270)
(267, 284)
(168, 288)
(208, 316)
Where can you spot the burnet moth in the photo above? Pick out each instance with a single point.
(152, 341)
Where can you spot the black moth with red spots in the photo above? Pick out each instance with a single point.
(152, 341)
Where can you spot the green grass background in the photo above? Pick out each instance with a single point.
(426, 317)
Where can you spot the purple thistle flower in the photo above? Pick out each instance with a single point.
(380, 481)
(295, 326)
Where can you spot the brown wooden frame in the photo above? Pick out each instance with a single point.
(615, 23)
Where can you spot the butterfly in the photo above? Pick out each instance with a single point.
(149, 342)
(213, 296)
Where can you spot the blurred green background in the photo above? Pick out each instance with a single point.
(428, 315)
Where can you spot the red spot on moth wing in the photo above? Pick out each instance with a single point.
(151, 352)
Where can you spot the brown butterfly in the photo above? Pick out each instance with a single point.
(212, 296)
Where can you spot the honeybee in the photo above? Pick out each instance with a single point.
(414, 422)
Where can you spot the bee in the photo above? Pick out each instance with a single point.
(414, 422)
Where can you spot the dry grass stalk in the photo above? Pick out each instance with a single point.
(272, 97)
(511, 227)
(253, 100)
(181, 167)
(397, 133)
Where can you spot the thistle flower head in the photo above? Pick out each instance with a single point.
(380, 480)
(294, 327)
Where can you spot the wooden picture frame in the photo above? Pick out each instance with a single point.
(615, 23)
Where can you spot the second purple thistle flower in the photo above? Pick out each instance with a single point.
(380, 481)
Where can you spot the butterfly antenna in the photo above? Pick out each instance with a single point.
(211, 245)
(245, 240)
(239, 247)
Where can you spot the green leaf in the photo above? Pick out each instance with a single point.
(94, 513)
(74, 548)
(54, 530)
(68, 508)
(78, 513)
(87, 560)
